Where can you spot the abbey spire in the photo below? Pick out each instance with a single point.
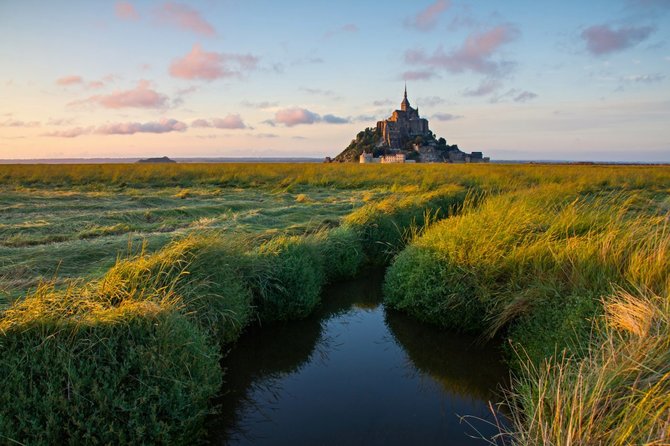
(404, 105)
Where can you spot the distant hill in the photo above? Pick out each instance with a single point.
(163, 159)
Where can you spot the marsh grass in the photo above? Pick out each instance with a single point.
(77, 369)
(617, 394)
(128, 352)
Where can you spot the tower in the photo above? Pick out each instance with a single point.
(404, 105)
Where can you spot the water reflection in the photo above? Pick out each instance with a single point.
(355, 373)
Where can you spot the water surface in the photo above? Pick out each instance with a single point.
(357, 373)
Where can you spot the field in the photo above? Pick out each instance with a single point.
(122, 285)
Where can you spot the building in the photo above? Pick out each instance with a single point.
(395, 158)
(403, 125)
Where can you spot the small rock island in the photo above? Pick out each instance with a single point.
(161, 160)
(404, 137)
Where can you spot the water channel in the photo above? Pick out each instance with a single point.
(357, 373)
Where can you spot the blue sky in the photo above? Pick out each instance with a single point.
(515, 79)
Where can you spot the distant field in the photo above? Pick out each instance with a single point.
(573, 260)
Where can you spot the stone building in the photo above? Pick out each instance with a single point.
(403, 125)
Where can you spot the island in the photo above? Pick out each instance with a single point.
(405, 137)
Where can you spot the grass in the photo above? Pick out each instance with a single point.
(558, 271)
(617, 394)
(77, 369)
(153, 271)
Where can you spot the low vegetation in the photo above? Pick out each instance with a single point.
(118, 341)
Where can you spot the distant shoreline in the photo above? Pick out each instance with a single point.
(294, 160)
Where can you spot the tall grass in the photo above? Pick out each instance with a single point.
(77, 369)
(384, 227)
(534, 261)
(618, 394)
(206, 272)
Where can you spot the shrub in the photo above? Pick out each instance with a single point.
(288, 278)
(78, 370)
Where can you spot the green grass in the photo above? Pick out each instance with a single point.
(77, 369)
(153, 270)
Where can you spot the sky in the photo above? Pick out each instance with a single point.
(547, 80)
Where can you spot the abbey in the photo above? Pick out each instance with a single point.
(404, 138)
(403, 125)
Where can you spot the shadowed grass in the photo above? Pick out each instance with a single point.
(78, 369)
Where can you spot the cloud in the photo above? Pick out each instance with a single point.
(514, 95)
(332, 119)
(430, 101)
(260, 105)
(129, 128)
(123, 128)
(364, 118)
(486, 87)
(644, 78)
(475, 54)
(348, 28)
(141, 96)
(525, 96)
(18, 123)
(426, 19)
(295, 116)
(70, 133)
(265, 135)
(445, 116)
(382, 102)
(229, 122)
(126, 11)
(69, 80)
(602, 39)
(418, 75)
(184, 17)
(95, 84)
(317, 91)
(200, 64)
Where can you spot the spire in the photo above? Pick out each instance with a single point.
(404, 105)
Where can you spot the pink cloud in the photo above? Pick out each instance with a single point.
(70, 133)
(295, 116)
(200, 64)
(229, 122)
(474, 55)
(95, 84)
(184, 17)
(18, 123)
(427, 18)
(141, 96)
(601, 39)
(69, 80)
(130, 128)
(486, 87)
(126, 11)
